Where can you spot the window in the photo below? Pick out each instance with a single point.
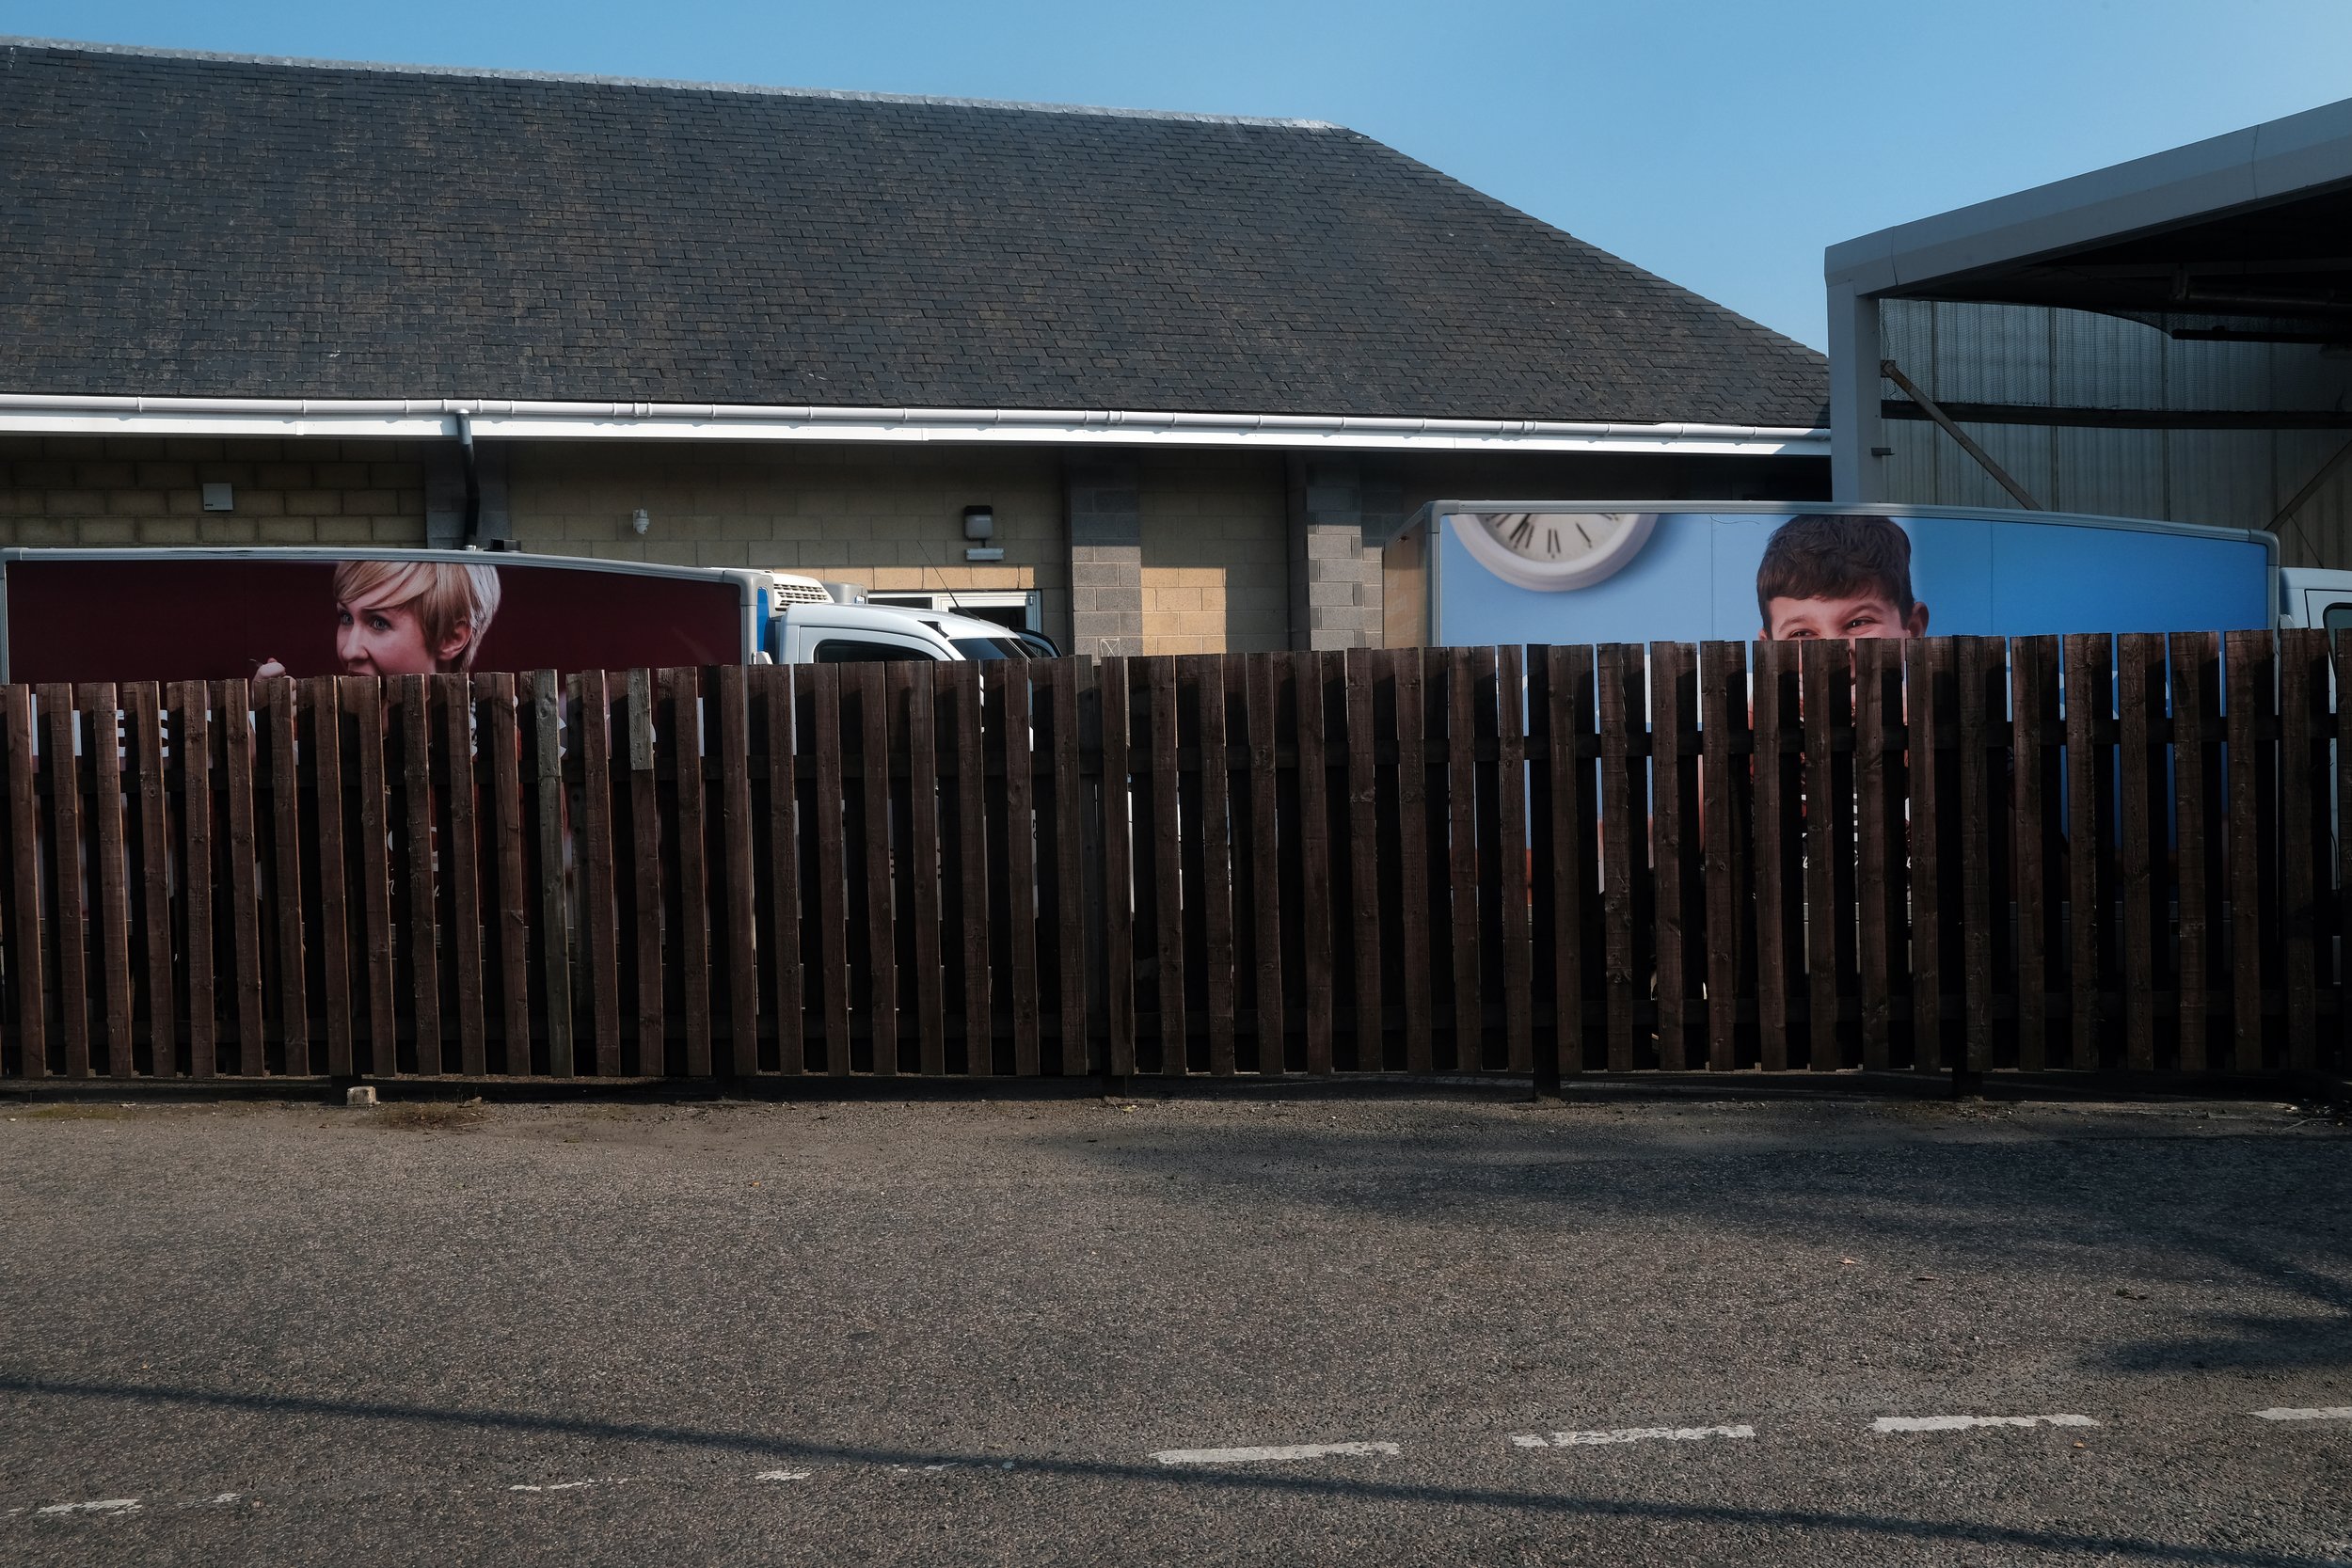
(1016, 608)
(859, 650)
(2339, 617)
(990, 647)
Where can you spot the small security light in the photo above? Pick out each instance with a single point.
(639, 521)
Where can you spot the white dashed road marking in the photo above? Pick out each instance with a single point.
(1249, 1456)
(106, 1507)
(1961, 1423)
(1630, 1434)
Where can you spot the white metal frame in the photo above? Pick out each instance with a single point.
(2244, 169)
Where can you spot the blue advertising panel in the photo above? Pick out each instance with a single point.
(1549, 573)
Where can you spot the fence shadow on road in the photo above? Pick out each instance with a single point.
(2253, 1209)
(1192, 1479)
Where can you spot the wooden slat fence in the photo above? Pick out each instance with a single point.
(1948, 855)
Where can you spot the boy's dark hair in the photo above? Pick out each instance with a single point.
(1821, 555)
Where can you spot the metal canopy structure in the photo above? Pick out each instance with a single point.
(2243, 238)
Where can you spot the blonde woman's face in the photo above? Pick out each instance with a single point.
(376, 638)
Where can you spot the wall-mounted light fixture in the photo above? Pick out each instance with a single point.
(639, 521)
(979, 526)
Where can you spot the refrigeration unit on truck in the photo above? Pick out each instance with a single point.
(1471, 572)
(96, 615)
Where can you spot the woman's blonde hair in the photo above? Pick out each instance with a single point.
(444, 596)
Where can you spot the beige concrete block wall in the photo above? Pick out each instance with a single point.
(1215, 565)
(1214, 560)
(145, 490)
(884, 517)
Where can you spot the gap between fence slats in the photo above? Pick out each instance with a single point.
(971, 828)
(730, 696)
(592, 738)
(1017, 761)
(772, 689)
(1117, 872)
(1316, 914)
(1983, 703)
(912, 688)
(452, 697)
(1461, 841)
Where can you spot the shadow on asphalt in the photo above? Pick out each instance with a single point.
(2266, 1209)
(1168, 1476)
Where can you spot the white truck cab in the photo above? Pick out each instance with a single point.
(808, 624)
(2311, 597)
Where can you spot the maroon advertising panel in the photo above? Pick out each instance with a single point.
(191, 618)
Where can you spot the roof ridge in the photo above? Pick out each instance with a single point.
(670, 84)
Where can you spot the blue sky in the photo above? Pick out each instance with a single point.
(1722, 144)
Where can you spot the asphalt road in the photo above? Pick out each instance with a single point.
(1007, 1332)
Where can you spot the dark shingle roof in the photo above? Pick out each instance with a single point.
(211, 225)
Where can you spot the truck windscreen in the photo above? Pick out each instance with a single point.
(990, 647)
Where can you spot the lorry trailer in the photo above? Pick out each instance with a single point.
(167, 615)
(1471, 572)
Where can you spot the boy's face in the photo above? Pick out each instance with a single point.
(374, 638)
(1868, 614)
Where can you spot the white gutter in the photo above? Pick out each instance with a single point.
(31, 412)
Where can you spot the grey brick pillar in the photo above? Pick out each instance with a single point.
(1335, 578)
(1103, 498)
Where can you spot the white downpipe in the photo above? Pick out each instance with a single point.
(33, 413)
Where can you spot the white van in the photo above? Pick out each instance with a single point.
(813, 623)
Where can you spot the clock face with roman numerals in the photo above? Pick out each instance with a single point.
(1553, 550)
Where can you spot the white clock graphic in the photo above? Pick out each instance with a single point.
(1553, 550)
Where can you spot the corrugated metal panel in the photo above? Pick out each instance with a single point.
(1907, 331)
(2304, 376)
(1907, 336)
(2320, 533)
(2327, 520)
(2218, 375)
(2023, 450)
(2225, 477)
(2116, 473)
(1911, 473)
(2221, 477)
(2101, 362)
(2021, 355)
(1991, 353)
